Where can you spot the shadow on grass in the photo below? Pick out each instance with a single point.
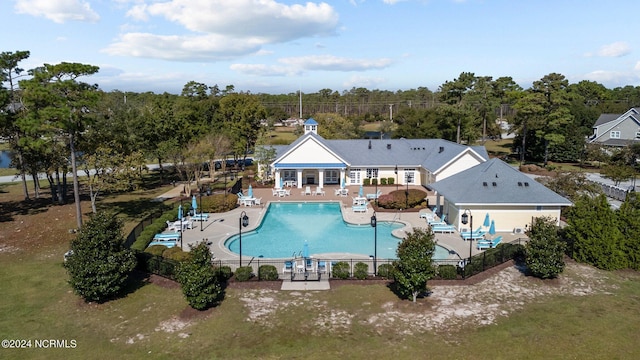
(10, 209)
(134, 208)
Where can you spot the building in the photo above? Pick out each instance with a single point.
(617, 129)
(463, 177)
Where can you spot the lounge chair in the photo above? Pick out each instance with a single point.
(288, 267)
(318, 191)
(478, 234)
(306, 191)
(323, 267)
(443, 229)
(257, 201)
(200, 217)
(309, 265)
(359, 208)
(374, 196)
(489, 244)
(434, 222)
(275, 192)
(166, 236)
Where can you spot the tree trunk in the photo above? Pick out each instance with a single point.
(524, 142)
(23, 176)
(415, 296)
(76, 186)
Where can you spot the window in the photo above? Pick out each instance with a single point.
(615, 135)
(331, 177)
(289, 175)
(638, 135)
(372, 173)
(409, 176)
(354, 176)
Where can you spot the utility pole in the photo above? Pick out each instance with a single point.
(391, 112)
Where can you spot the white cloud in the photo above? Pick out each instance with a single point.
(334, 63)
(615, 49)
(182, 48)
(59, 11)
(264, 70)
(613, 78)
(220, 29)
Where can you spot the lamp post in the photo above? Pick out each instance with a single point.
(406, 192)
(376, 179)
(181, 227)
(243, 221)
(467, 217)
(374, 224)
(396, 171)
(201, 219)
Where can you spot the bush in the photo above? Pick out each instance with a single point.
(398, 200)
(361, 271)
(385, 271)
(340, 270)
(157, 226)
(156, 250)
(447, 272)
(175, 253)
(268, 272)
(219, 203)
(244, 273)
(366, 182)
(223, 273)
(198, 280)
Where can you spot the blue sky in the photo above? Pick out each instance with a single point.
(281, 46)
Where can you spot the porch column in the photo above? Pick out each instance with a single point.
(276, 184)
(321, 178)
(299, 176)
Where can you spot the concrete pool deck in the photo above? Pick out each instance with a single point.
(221, 226)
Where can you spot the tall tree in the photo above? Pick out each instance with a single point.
(63, 104)
(10, 72)
(544, 251)
(198, 279)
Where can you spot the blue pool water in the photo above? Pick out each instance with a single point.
(286, 227)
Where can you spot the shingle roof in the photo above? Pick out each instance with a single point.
(496, 182)
(605, 118)
(431, 154)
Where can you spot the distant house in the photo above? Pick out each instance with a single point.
(510, 197)
(617, 129)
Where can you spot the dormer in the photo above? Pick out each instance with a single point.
(310, 126)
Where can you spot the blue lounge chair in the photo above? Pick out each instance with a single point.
(374, 196)
(489, 244)
(167, 236)
(443, 228)
(322, 267)
(442, 221)
(309, 265)
(475, 235)
(200, 217)
(288, 267)
(164, 242)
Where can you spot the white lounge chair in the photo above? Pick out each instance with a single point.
(309, 265)
(306, 191)
(374, 196)
(288, 267)
(318, 191)
(359, 208)
(257, 201)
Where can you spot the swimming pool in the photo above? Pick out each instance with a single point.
(286, 226)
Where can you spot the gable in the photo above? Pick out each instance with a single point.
(309, 152)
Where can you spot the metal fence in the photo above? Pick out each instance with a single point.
(463, 268)
(615, 192)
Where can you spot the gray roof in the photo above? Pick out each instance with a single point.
(605, 118)
(496, 182)
(431, 154)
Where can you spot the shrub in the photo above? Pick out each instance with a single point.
(156, 250)
(391, 181)
(218, 203)
(374, 181)
(244, 273)
(223, 273)
(198, 280)
(398, 200)
(366, 182)
(447, 272)
(385, 271)
(361, 270)
(100, 264)
(175, 253)
(268, 272)
(340, 270)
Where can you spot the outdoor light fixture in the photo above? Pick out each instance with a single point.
(243, 221)
(374, 224)
(181, 227)
(396, 171)
(201, 219)
(468, 218)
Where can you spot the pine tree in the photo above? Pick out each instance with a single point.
(413, 268)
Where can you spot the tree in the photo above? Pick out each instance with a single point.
(9, 73)
(198, 278)
(100, 264)
(629, 220)
(593, 234)
(108, 170)
(571, 184)
(413, 268)
(618, 173)
(544, 250)
(63, 104)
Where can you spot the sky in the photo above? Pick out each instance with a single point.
(282, 46)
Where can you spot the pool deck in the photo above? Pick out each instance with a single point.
(221, 226)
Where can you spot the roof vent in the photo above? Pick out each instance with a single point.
(494, 183)
(519, 183)
(526, 184)
(369, 144)
(484, 183)
(388, 146)
(441, 149)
